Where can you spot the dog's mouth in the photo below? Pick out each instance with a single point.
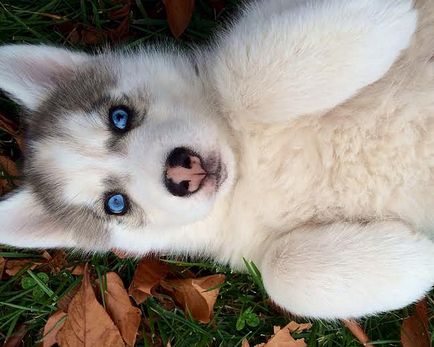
(186, 173)
(216, 171)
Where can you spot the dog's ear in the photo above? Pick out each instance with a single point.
(25, 223)
(29, 72)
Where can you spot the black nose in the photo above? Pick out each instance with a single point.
(184, 172)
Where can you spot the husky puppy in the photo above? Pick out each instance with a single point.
(302, 140)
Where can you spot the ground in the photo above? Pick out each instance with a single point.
(242, 309)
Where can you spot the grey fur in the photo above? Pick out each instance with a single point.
(86, 91)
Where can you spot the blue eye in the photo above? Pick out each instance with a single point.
(119, 117)
(116, 204)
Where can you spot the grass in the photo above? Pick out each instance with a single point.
(30, 298)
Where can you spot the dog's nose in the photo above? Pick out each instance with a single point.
(184, 172)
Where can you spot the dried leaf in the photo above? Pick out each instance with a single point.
(2, 266)
(12, 267)
(92, 36)
(295, 327)
(196, 295)
(245, 343)
(149, 273)
(74, 36)
(122, 14)
(124, 314)
(282, 336)
(12, 129)
(54, 262)
(52, 327)
(120, 32)
(8, 166)
(87, 323)
(357, 331)
(16, 339)
(10, 169)
(58, 261)
(7, 125)
(415, 329)
(64, 302)
(79, 33)
(47, 256)
(179, 13)
(78, 270)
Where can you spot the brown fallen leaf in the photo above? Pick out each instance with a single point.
(148, 274)
(415, 329)
(12, 267)
(58, 261)
(92, 36)
(179, 13)
(282, 336)
(12, 129)
(295, 327)
(2, 266)
(77, 33)
(55, 261)
(16, 339)
(121, 31)
(46, 255)
(77, 270)
(124, 314)
(7, 125)
(196, 295)
(245, 343)
(52, 327)
(9, 168)
(87, 323)
(357, 331)
(66, 299)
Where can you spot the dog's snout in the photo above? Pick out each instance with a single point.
(184, 172)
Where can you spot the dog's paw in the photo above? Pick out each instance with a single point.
(349, 270)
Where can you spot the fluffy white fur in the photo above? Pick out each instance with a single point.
(323, 114)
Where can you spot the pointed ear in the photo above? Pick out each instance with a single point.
(25, 224)
(29, 72)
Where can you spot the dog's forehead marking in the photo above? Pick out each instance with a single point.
(83, 92)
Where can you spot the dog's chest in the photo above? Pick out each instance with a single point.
(339, 168)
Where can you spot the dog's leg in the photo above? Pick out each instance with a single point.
(348, 270)
(284, 59)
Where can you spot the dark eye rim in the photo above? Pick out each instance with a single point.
(130, 116)
(108, 195)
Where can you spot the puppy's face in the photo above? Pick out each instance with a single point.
(116, 141)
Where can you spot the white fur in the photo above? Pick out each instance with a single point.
(40, 67)
(322, 112)
(25, 224)
(316, 270)
(299, 52)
